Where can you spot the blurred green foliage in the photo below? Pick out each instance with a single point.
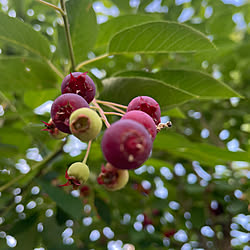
(193, 58)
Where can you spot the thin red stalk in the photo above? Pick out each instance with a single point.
(112, 113)
(101, 112)
(112, 103)
(114, 108)
(87, 152)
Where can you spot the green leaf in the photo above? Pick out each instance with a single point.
(198, 217)
(33, 100)
(83, 27)
(124, 89)
(66, 202)
(158, 163)
(175, 112)
(103, 209)
(30, 226)
(194, 82)
(112, 26)
(20, 73)
(123, 5)
(15, 32)
(15, 138)
(204, 153)
(52, 236)
(159, 37)
(237, 206)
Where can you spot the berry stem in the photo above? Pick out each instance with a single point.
(112, 113)
(115, 108)
(112, 104)
(52, 6)
(87, 152)
(67, 31)
(101, 112)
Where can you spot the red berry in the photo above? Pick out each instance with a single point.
(126, 144)
(147, 105)
(53, 130)
(144, 119)
(62, 108)
(79, 83)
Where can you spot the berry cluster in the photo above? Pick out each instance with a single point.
(126, 144)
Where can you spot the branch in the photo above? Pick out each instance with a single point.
(67, 31)
(52, 6)
(37, 167)
(91, 60)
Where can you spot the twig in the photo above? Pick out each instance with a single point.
(67, 31)
(52, 6)
(90, 61)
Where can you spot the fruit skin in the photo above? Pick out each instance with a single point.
(112, 178)
(126, 144)
(147, 105)
(85, 124)
(79, 83)
(144, 119)
(53, 130)
(62, 108)
(79, 171)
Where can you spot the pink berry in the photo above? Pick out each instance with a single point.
(79, 83)
(147, 105)
(144, 119)
(62, 108)
(126, 144)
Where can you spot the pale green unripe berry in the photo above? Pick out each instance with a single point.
(85, 124)
(113, 178)
(79, 171)
(121, 182)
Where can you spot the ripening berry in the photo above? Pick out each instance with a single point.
(79, 83)
(113, 178)
(80, 171)
(76, 174)
(53, 130)
(62, 108)
(126, 144)
(144, 119)
(147, 105)
(85, 124)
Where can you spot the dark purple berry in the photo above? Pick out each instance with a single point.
(147, 105)
(144, 119)
(62, 108)
(126, 144)
(79, 83)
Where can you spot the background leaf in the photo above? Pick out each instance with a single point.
(66, 202)
(125, 89)
(197, 83)
(114, 25)
(15, 32)
(103, 209)
(20, 73)
(83, 27)
(159, 37)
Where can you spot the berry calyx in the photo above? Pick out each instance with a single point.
(126, 144)
(144, 119)
(53, 130)
(147, 105)
(62, 108)
(85, 124)
(79, 83)
(77, 174)
(112, 178)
